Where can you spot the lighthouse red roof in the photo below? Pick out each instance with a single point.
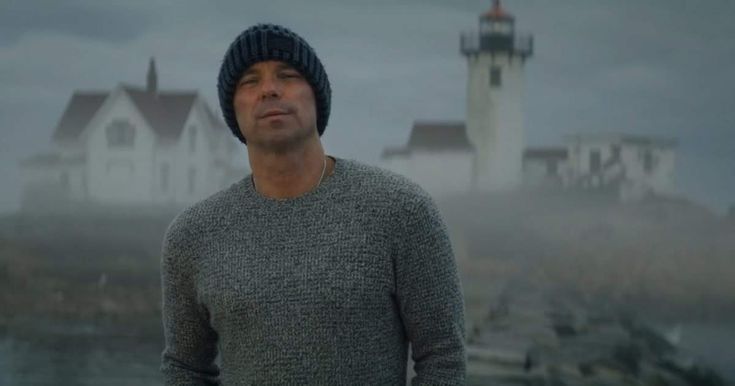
(497, 12)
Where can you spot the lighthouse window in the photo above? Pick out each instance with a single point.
(495, 76)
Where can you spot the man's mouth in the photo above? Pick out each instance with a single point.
(273, 113)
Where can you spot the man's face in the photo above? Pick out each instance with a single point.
(274, 106)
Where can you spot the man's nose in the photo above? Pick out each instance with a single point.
(270, 87)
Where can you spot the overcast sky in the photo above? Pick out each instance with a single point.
(646, 67)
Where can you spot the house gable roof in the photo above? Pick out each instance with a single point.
(165, 112)
(439, 136)
(80, 110)
(433, 136)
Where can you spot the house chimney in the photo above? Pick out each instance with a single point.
(152, 79)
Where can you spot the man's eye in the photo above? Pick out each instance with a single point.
(291, 75)
(248, 81)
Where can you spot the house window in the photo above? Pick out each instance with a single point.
(192, 139)
(595, 161)
(165, 170)
(120, 133)
(192, 180)
(647, 161)
(495, 79)
(615, 150)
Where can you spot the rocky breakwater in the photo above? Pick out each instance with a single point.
(532, 338)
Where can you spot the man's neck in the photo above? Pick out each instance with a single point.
(289, 174)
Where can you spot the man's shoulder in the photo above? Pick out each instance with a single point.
(201, 216)
(384, 184)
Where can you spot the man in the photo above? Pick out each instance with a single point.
(314, 269)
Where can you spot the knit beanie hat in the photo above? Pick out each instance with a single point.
(271, 42)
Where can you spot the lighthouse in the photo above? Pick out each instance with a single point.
(495, 62)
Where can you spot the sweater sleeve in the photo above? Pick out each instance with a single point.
(190, 342)
(430, 297)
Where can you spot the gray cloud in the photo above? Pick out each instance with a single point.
(84, 19)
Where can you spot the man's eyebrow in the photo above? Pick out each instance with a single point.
(249, 71)
(285, 66)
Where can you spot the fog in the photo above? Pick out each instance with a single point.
(89, 272)
(649, 68)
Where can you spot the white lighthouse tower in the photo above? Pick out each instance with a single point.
(495, 61)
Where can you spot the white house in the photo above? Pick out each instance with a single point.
(438, 156)
(632, 165)
(133, 146)
(629, 166)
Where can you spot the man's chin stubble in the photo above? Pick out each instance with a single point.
(283, 145)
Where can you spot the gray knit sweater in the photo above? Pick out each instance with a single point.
(326, 288)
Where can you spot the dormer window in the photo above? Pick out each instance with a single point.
(120, 133)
